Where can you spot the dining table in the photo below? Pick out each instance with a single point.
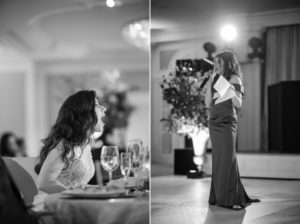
(67, 208)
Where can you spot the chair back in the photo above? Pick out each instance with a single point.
(12, 206)
(22, 179)
(28, 164)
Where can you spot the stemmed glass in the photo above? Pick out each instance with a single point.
(110, 159)
(146, 158)
(135, 147)
(125, 164)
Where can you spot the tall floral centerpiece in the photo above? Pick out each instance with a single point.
(187, 113)
(118, 110)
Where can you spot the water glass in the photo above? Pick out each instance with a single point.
(110, 159)
(135, 147)
(125, 164)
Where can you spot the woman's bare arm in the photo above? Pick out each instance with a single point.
(52, 167)
(208, 97)
(238, 97)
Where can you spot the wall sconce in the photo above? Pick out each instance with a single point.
(210, 48)
(257, 46)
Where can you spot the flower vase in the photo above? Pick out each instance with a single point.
(199, 138)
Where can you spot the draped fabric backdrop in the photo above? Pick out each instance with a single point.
(248, 138)
(282, 64)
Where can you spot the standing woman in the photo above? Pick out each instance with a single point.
(65, 159)
(226, 187)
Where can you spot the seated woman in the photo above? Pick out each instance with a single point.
(66, 159)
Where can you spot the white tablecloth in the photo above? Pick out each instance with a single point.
(108, 211)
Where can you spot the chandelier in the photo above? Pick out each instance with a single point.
(137, 33)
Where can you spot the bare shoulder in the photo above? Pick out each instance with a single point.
(56, 151)
(54, 154)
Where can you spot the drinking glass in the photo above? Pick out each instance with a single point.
(110, 159)
(135, 147)
(146, 160)
(125, 164)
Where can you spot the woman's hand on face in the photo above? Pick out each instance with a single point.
(100, 112)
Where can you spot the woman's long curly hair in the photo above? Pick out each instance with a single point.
(75, 122)
(231, 64)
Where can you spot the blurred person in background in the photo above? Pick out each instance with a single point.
(22, 146)
(9, 145)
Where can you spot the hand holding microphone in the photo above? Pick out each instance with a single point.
(206, 77)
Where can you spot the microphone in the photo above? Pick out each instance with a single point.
(207, 64)
(206, 79)
(204, 82)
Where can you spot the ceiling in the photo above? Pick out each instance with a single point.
(172, 14)
(71, 29)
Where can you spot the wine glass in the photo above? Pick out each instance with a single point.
(135, 147)
(146, 158)
(125, 164)
(110, 159)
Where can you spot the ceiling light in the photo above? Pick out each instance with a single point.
(137, 33)
(228, 32)
(110, 3)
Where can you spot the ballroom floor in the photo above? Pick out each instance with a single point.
(178, 200)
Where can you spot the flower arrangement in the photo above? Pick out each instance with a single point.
(118, 107)
(181, 90)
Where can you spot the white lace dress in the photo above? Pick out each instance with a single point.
(79, 172)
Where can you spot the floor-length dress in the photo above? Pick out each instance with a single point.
(226, 186)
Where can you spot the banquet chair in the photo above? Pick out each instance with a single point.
(12, 206)
(22, 178)
(28, 164)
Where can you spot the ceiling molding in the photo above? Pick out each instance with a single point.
(71, 29)
(246, 21)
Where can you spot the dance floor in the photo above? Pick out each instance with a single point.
(178, 200)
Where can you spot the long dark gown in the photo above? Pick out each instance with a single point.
(226, 186)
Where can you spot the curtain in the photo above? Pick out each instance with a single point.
(282, 64)
(248, 138)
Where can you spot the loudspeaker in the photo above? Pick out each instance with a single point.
(183, 161)
(284, 117)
